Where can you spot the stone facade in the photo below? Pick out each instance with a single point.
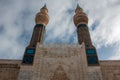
(94, 73)
(59, 62)
(26, 72)
(110, 69)
(9, 69)
(53, 61)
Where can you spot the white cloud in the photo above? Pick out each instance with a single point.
(107, 30)
(17, 17)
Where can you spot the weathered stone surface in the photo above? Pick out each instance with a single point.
(52, 61)
(110, 69)
(94, 73)
(59, 62)
(9, 69)
(26, 72)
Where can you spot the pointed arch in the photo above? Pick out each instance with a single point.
(59, 74)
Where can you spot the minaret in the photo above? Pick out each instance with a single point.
(81, 22)
(42, 19)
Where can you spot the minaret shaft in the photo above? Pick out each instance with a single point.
(83, 34)
(38, 35)
(81, 21)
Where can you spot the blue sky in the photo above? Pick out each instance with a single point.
(18, 19)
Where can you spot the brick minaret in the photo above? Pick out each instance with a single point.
(41, 20)
(81, 22)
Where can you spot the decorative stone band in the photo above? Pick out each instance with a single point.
(82, 25)
(9, 66)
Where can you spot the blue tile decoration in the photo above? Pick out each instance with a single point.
(30, 51)
(90, 51)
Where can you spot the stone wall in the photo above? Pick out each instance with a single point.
(9, 69)
(110, 69)
(60, 62)
(94, 73)
(26, 72)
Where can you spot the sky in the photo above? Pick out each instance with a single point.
(17, 20)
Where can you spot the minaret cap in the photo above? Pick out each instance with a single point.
(42, 17)
(80, 17)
